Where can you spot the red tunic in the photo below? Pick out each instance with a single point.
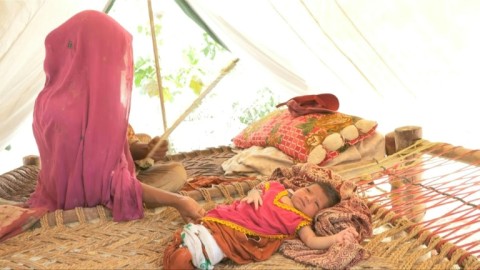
(244, 234)
(274, 219)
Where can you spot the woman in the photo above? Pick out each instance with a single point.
(80, 124)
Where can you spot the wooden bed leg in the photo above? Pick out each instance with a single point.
(405, 188)
(31, 160)
(390, 143)
(406, 136)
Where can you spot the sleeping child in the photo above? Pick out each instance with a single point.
(253, 228)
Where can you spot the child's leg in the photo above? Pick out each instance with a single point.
(176, 256)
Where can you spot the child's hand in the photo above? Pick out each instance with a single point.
(346, 236)
(254, 196)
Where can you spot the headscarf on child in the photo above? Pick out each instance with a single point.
(350, 213)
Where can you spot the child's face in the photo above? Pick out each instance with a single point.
(309, 199)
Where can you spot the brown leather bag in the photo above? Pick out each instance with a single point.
(320, 103)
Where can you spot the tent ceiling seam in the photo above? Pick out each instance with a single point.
(309, 47)
(341, 51)
(372, 47)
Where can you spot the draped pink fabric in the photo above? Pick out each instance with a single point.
(81, 116)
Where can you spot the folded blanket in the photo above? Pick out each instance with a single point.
(256, 160)
(351, 212)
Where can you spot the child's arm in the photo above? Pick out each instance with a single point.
(308, 236)
(254, 196)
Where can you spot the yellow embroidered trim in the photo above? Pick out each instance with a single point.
(243, 229)
(280, 204)
(302, 224)
(266, 186)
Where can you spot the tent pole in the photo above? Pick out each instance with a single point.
(157, 65)
(108, 6)
(194, 104)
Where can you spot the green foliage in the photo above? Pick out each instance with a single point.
(145, 79)
(211, 47)
(190, 76)
(264, 104)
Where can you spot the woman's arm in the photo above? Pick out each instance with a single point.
(140, 150)
(189, 209)
(311, 240)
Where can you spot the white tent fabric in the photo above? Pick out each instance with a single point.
(24, 25)
(405, 62)
(400, 62)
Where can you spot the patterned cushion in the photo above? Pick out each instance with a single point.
(312, 138)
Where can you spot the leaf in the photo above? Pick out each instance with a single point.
(196, 84)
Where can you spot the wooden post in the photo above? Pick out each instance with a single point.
(31, 160)
(390, 143)
(406, 136)
(157, 64)
(405, 189)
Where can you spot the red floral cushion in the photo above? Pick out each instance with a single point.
(312, 138)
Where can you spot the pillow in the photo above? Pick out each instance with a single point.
(313, 138)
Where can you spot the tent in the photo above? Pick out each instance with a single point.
(406, 62)
(397, 62)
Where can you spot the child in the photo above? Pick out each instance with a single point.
(252, 229)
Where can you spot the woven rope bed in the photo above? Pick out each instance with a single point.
(424, 201)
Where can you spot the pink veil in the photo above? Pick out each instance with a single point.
(81, 116)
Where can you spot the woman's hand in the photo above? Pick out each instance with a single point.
(254, 196)
(189, 209)
(161, 151)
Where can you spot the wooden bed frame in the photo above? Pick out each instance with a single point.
(403, 238)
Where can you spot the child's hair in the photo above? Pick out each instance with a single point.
(332, 194)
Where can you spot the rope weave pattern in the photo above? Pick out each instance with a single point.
(438, 231)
